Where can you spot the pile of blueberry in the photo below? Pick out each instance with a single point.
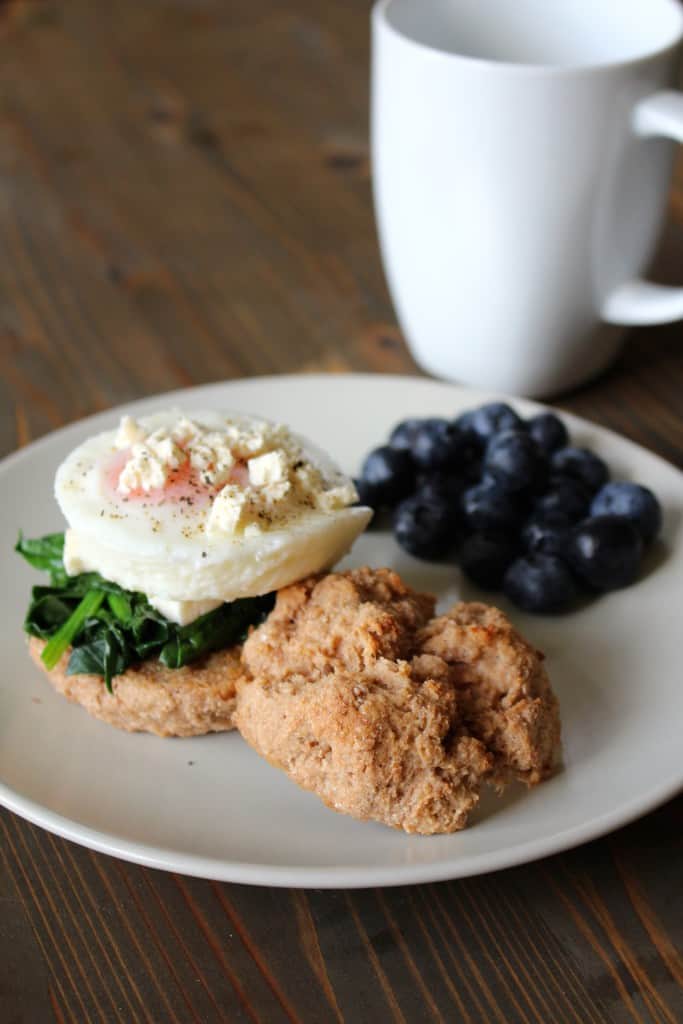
(520, 508)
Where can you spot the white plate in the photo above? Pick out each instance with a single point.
(211, 807)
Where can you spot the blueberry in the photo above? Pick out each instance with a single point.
(540, 583)
(544, 538)
(490, 419)
(436, 444)
(403, 434)
(488, 506)
(580, 464)
(467, 452)
(605, 552)
(389, 475)
(464, 424)
(447, 486)
(470, 467)
(424, 526)
(633, 502)
(513, 458)
(484, 558)
(367, 493)
(548, 431)
(564, 502)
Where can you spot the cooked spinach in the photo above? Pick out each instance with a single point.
(210, 632)
(69, 630)
(43, 552)
(109, 628)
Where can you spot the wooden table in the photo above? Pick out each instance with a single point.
(185, 197)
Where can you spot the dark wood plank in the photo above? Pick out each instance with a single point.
(24, 988)
(185, 197)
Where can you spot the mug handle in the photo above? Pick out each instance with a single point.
(640, 302)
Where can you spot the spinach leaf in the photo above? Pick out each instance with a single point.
(219, 628)
(104, 656)
(109, 628)
(120, 604)
(43, 552)
(49, 609)
(150, 629)
(78, 586)
(69, 630)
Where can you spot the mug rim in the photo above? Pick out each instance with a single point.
(379, 16)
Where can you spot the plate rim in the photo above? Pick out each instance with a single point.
(357, 877)
(331, 877)
(18, 454)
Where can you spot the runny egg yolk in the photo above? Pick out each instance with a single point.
(183, 484)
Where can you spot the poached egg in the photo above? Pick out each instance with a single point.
(197, 510)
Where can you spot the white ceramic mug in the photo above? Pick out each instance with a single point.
(521, 164)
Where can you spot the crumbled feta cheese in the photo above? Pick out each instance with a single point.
(308, 478)
(162, 445)
(184, 430)
(276, 492)
(228, 511)
(143, 471)
(271, 468)
(129, 433)
(337, 497)
(259, 469)
(152, 457)
(256, 439)
(212, 455)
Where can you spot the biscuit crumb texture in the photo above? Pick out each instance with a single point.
(361, 695)
(189, 701)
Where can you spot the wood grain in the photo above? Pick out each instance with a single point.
(185, 197)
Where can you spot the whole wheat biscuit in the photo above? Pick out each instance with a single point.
(360, 695)
(148, 697)
(503, 689)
